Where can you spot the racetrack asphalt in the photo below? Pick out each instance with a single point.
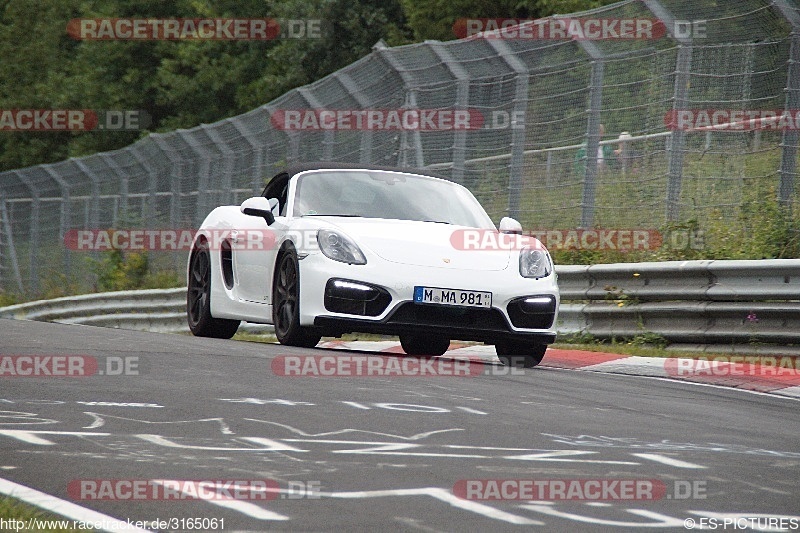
(389, 451)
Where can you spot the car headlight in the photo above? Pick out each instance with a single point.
(340, 247)
(534, 263)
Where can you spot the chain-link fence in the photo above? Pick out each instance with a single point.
(575, 133)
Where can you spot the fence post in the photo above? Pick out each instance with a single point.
(365, 152)
(204, 171)
(518, 130)
(385, 54)
(462, 103)
(123, 187)
(33, 267)
(33, 262)
(65, 219)
(677, 141)
(328, 136)
(789, 141)
(592, 132)
(175, 183)
(94, 209)
(257, 181)
(147, 212)
(93, 220)
(5, 223)
(291, 154)
(226, 197)
(677, 149)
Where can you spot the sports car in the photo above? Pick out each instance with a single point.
(333, 249)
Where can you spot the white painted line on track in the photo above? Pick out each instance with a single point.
(663, 459)
(793, 392)
(64, 508)
(633, 366)
(779, 393)
(646, 364)
(444, 496)
(30, 436)
(473, 411)
(246, 508)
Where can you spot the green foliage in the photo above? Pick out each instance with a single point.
(13, 509)
(434, 19)
(762, 229)
(581, 337)
(163, 279)
(119, 272)
(752, 224)
(648, 338)
(57, 284)
(8, 299)
(182, 84)
(559, 7)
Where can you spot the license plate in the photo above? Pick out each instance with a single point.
(437, 295)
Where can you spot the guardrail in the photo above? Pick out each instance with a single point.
(160, 310)
(710, 303)
(687, 302)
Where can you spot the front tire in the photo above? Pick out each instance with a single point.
(286, 304)
(430, 345)
(198, 300)
(520, 354)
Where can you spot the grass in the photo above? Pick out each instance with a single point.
(627, 348)
(636, 346)
(270, 338)
(11, 508)
(728, 196)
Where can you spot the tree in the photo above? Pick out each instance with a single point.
(182, 84)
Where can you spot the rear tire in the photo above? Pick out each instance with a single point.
(286, 304)
(430, 345)
(198, 300)
(520, 354)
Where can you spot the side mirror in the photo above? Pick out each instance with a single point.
(258, 206)
(509, 225)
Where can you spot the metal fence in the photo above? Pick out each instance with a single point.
(540, 155)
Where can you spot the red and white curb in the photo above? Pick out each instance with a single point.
(781, 376)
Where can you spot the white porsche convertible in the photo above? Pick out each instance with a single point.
(332, 249)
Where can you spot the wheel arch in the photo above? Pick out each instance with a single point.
(285, 247)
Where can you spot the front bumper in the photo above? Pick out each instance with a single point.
(485, 325)
(522, 309)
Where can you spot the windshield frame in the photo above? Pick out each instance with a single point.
(470, 204)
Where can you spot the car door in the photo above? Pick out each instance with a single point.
(255, 248)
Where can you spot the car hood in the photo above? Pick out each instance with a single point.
(428, 244)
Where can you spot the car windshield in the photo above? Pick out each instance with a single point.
(389, 195)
